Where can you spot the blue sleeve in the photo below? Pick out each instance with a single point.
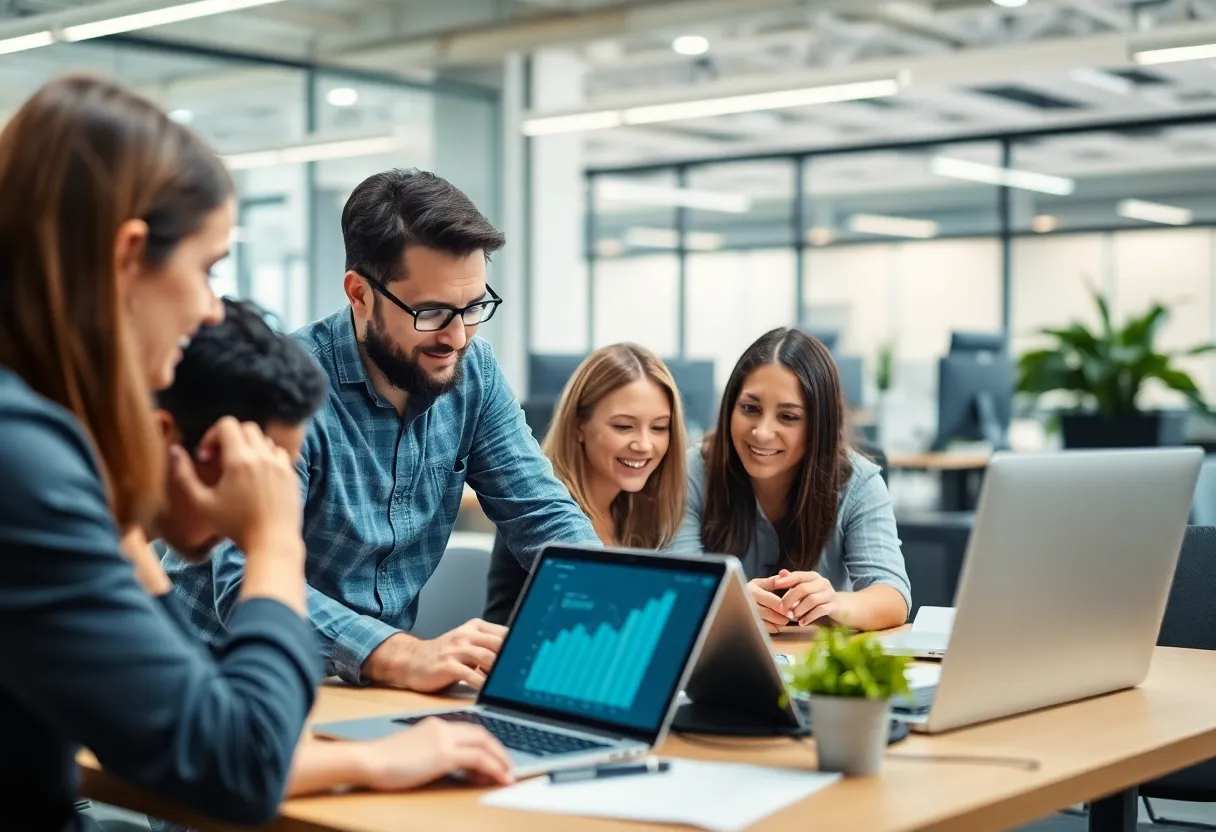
(688, 539)
(84, 649)
(346, 637)
(514, 481)
(872, 553)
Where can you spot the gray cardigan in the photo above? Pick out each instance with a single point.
(863, 550)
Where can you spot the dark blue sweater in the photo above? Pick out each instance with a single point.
(88, 659)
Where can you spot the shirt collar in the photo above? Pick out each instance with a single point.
(349, 360)
(346, 351)
(352, 370)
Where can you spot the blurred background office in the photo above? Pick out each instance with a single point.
(924, 184)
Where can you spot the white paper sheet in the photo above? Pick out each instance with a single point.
(923, 675)
(720, 797)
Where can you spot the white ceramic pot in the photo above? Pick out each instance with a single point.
(850, 733)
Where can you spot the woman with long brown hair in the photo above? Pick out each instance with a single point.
(617, 443)
(111, 218)
(777, 486)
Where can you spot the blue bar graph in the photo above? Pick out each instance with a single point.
(606, 666)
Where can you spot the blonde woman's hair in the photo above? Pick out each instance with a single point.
(650, 518)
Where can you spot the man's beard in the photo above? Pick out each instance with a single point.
(404, 372)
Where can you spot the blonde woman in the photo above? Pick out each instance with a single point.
(617, 443)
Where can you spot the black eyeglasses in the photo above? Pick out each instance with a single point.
(436, 318)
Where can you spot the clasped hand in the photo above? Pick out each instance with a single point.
(808, 597)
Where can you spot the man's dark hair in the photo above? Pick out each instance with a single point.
(242, 368)
(398, 208)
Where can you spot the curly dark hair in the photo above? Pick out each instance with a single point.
(242, 368)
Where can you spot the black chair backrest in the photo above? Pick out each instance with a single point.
(1190, 616)
(875, 454)
(1190, 621)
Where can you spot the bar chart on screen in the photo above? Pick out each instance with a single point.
(606, 664)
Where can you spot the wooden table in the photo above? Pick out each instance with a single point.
(960, 471)
(939, 460)
(1085, 751)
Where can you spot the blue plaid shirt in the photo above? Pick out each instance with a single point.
(381, 493)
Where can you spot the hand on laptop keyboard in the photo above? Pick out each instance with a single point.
(432, 749)
(520, 737)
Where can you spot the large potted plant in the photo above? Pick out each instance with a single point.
(850, 682)
(1105, 369)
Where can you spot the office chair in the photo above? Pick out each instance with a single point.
(875, 454)
(456, 591)
(934, 545)
(1190, 622)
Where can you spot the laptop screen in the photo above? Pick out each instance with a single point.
(601, 638)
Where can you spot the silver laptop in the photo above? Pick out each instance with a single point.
(1065, 581)
(928, 638)
(600, 644)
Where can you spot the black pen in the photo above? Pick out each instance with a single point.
(576, 775)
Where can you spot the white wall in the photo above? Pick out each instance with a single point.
(635, 300)
(1052, 281)
(732, 299)
(556, 272)
(1175, 267)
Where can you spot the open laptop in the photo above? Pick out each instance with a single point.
(1064, 584)
(736, 684)
(600, 644)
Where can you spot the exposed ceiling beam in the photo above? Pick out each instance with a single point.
(976, 66)
(899, 18)
(311, 19)
(490, 42)
(1119, 19)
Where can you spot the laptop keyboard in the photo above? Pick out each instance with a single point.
(516, 735)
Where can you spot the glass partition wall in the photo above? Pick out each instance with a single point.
(894, 248)
(298, 138)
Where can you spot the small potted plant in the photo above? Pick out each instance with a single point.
(850, 682)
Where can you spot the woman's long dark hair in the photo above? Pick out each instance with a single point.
(77, 160)
(728, 518)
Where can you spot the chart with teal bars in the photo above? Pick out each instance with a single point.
(603, 640)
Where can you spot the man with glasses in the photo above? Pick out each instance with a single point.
(417, 407)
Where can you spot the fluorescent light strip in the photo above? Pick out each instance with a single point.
(157, 17)
(1010, 177)
(756, 102)
(651, 237)
(1139, 209)
(20, 43)
(622, 191)
(1176, 54)
(893, 226)
(576, 123)
(719, 106)
(668, 238)
(319, 152)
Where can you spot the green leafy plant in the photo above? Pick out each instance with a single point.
(843, 664)
(1107, 368)
(884, 372)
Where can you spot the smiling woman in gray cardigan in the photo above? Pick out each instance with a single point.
(777, 486)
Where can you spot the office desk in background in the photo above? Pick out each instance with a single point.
(961, 473)
(1086, 751)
